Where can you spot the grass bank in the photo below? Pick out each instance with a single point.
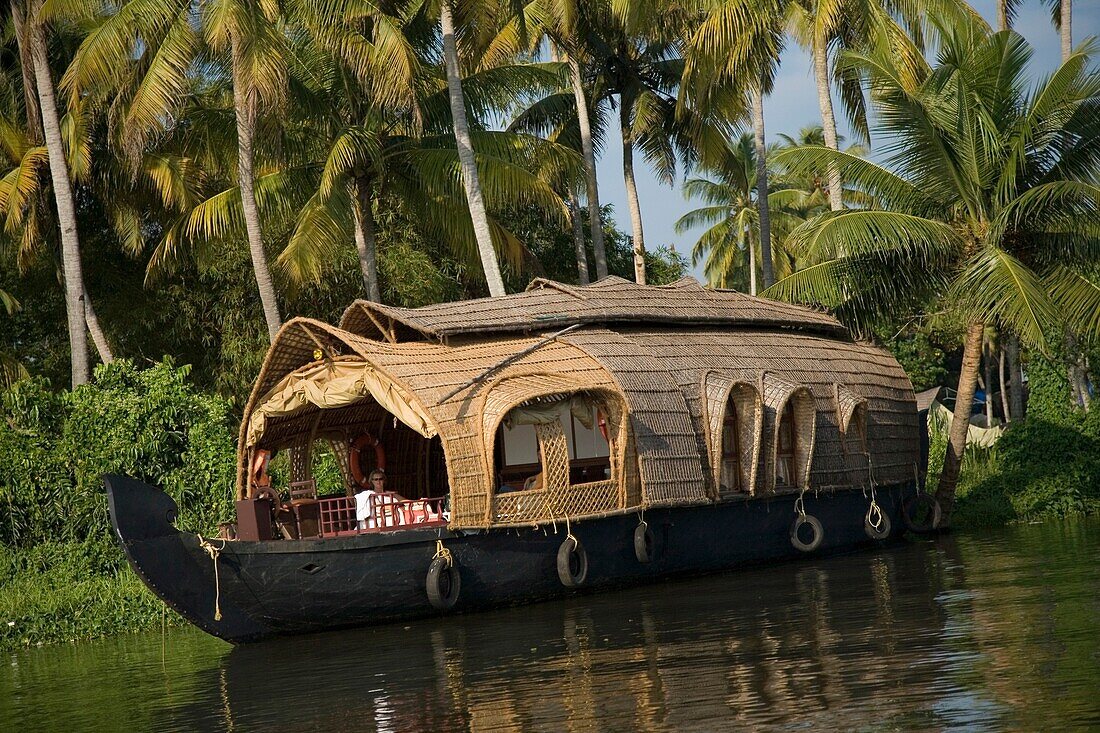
(69, 591)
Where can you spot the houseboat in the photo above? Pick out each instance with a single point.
(506, 450)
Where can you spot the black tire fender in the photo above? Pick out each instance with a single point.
(444, 583)
(807, 520)
(645, 544)
(921, 513)
(572, 563)
(881, 532)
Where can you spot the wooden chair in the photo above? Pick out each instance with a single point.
(306, 508)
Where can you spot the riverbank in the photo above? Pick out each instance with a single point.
(73, 591)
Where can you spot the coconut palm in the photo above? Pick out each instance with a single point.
(567, 25)
(31, 24)
(736, 47)
(401, 145)
(471, 182)
(987, 201)
(729, 247)
(149, 80)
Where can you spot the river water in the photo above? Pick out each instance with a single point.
(973, 631)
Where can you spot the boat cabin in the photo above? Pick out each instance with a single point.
(563, 402)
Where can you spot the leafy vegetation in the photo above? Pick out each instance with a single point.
(63, 574)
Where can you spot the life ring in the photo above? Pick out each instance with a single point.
(443, 584)
(601, 423)
(572, 562)
(806, 520)
(645, 544)
(880, 532)
(921, 513)
(357, 446)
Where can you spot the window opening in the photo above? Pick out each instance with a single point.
(730, 476)
(785, 451)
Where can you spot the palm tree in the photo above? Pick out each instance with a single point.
(33, 23)
(474, 195)
(987, 201)
(568, 26)
(730, 245)
(736, 47)
(395, 140)
(151, 78)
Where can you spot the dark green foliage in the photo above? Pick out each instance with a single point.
(63, 574)
(554, 252)
(1047, 466)
(150, 424)
(919, 354)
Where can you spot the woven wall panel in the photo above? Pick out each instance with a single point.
(670, 463)
(777, 394)
(819, 363)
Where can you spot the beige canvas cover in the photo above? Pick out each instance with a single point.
(333, 384)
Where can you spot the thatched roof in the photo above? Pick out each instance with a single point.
(661, 361)
(547, 304)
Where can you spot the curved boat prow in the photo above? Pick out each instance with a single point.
(139, 511)
(173, 564)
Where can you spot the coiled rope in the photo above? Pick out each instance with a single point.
(213, 552)
(443, 552)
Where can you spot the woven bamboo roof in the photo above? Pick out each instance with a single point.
(547, 304)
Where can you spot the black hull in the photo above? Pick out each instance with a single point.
(300, 586)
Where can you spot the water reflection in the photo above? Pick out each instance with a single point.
(968, 632)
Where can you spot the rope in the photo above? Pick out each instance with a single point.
(213, 552)
(443, 552)
(569, 533)
(874, 512)
(799, 505)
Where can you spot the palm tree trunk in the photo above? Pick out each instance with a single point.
(960, 421)
(1066, 29)
(365, 241)
(828, 121)
(987, 357)
(752, 261)
(632, 192)
(584, 123)
(470, 179)
(1002, 15)
(1015, 377)
(98, 337)
(762, 187)
(63, 197)
(244, 107)
(26, 65)
(1004, 386)
(578, 239)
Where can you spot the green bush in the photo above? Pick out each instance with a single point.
(149, 424)
(1047, 466)
(62, 573)
(63, 591)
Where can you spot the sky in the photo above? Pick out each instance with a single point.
(793, 105)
